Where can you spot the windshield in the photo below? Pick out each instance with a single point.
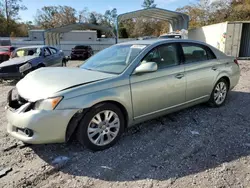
(28, 52)
(113, 59)
(4, 49)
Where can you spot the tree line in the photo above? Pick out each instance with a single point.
(201, 13)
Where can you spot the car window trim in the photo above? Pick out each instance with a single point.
(204, 47)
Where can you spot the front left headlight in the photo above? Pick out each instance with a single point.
(47, 104)
(25, 67)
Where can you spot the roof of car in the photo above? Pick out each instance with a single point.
(155, 41)
(36, 46)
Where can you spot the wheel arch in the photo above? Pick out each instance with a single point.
(41, 65)
(75, 120)
(225, 76)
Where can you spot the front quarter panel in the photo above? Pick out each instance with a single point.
(114, 92)
(36, 61)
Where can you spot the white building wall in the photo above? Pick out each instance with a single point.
(36, 35)
(211, 34)
(79, 36)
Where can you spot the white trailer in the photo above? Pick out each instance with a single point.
(232, 38)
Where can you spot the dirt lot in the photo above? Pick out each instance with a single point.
(197, 147)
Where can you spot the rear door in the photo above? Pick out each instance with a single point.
(164, 89)
(200, 70)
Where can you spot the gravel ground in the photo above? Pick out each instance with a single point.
(196, 147)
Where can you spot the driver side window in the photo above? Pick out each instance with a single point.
(164, 56)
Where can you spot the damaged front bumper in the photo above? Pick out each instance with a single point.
(38, 126)
(10, 76)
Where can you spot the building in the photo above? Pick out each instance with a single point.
(74, 35)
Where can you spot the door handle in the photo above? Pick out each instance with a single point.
(214, 68)
(179, 76)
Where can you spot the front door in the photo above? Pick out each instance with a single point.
(158, 91)
(200, 69)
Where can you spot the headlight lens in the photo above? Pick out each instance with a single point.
(47, 104)
(25, 67)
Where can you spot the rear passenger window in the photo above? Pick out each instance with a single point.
(196, 53)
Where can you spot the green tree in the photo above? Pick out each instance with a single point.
(110, 16)
(55, 16)
(239, 10)
(148, 4)
(123, 32)
(11, 10)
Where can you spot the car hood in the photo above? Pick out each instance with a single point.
(44, 82)
(17, 60)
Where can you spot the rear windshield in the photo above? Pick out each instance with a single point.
(4, 49)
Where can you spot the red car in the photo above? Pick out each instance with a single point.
(5, 52)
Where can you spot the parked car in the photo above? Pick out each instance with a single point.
(146, 38)
(120, 86)
(170, 36)
(5, 52)
(81, 52)
(27, 59)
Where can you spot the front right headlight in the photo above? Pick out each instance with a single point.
(47, 104)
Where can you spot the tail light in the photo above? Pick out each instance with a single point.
(236, 62)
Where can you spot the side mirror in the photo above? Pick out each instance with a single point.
(146, 67)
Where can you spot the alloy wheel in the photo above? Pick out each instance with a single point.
(220, 93)
(103, 128)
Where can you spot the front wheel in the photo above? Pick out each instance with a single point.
(101, 127)
(219, 94)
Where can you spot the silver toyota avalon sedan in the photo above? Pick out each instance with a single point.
(118, 87)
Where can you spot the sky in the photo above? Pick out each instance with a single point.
(99, 6)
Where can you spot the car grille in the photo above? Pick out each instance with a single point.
(10, 69)
(4, 58)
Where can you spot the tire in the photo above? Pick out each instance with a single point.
(219, 93)
(101, 134)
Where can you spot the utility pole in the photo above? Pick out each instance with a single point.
(7, 16)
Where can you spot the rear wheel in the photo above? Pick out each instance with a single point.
(101, 127)
(219, 94)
